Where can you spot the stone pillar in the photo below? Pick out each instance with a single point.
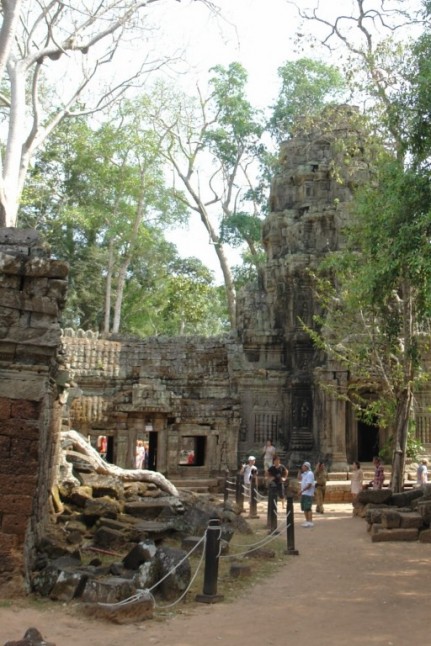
(159, 425)
(32, 293)
(333, 418)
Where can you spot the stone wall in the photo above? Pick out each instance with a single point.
(32, 293)
(167, 388)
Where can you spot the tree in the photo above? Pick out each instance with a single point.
(219, 132)
(100, 198)
(48, 46)
(389, 278)
(307, 86)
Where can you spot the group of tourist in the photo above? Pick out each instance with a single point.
(313, 484)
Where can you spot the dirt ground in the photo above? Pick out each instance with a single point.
(341, 589)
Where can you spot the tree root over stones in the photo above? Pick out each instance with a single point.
(72, 440)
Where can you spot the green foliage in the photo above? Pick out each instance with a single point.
(83, 196)
(307, 86)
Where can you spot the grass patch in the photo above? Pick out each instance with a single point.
(233, 587)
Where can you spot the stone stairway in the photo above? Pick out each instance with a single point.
(198, 485)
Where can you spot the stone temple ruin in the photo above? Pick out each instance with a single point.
(215, 399)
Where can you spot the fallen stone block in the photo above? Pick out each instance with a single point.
(411, 519)
(138, 607)
(425, 536)
(390, 519)
(388, 535)
(239, 570)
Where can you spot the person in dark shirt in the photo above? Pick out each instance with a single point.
(277, 476)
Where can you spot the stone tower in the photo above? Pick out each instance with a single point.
(280, 377)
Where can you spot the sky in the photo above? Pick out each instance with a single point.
(258, 34)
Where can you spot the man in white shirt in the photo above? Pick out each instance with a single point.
(307, 492)
(248, 471)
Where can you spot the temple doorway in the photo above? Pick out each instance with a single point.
(368, 441)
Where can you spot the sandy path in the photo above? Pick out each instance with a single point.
(341, 590)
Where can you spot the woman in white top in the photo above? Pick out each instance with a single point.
(268, 454)
(356, 479)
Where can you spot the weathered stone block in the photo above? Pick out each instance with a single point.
(425, 536)
(15, 503)
(387, 535)
(424, 509)
(109, 538)
(140, 553)
(238, 570)
(5, 407)
(171, 563)
(411, 519)
(390, 519)
(68, 585)
(108, 590)
(14, 524)
(25, 409)
(138, 609)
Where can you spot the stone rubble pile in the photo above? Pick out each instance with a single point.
(112, 541)
(391, 516)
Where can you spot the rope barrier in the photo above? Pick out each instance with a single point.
(178, 564)
(171, 605)
(263, 541)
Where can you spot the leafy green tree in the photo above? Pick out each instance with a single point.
(211, 143)
(99, 196)
(307, 85)
(386, 278)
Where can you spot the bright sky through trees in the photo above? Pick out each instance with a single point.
(257, 34)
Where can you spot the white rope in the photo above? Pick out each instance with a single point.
(260, 543)
(171, 605)
(268, 539)
(178, 564)
(123, 602)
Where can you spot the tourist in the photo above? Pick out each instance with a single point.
(422, 473)
(379, 474)
(248, 471)
(320, 478)
(268, 453)
(307, 493)
(140, 455)
(356, 479)
(277, 475)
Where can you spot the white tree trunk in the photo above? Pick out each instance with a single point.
(80, 444)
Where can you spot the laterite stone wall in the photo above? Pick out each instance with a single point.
(32, 294)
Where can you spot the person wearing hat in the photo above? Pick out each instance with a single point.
(248, 471)
(307, 492)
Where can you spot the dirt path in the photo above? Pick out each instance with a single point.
(340, 590)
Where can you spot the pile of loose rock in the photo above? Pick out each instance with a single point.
(116, 542)
(391, 516)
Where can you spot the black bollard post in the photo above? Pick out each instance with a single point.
(272, 508)
(212, 553)
(240, 492)
(253, 498)
(290, 527)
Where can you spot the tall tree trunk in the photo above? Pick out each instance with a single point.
(400, 443)
(108, 288)
(404, 400)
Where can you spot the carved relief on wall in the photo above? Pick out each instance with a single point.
(303, 355)
(266, 426)
(302, 419)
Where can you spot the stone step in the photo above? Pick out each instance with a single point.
(198, 485)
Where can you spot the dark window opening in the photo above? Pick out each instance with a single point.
(192, 451)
